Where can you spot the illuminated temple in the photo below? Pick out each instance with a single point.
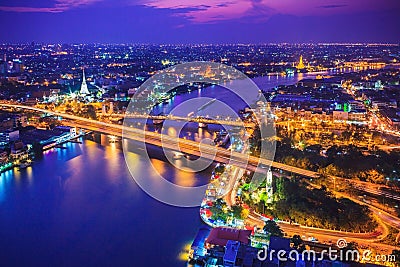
(301, 66)
(84, 88)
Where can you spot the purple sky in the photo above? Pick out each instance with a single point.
(200, 21)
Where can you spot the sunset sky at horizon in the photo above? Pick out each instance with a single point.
(201, 21)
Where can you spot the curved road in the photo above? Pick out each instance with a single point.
(215, 153)
(199, 149)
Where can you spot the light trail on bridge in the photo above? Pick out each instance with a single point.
(237, 123)
(209, 152)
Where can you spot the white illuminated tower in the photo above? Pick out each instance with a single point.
(268, 187)
(84, 88)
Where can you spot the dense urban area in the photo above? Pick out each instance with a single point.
(336, 115)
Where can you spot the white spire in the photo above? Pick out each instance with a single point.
(84, 88)
(268, 187)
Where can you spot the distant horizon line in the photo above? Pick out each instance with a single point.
(203, 44)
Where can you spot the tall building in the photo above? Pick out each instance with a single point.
(84, 88)
(8, 136)
(3, 65)
(268, 187)
(18, 66)
(301, 66)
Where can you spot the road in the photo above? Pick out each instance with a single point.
(237, 159)
(226, 121)
(370, 240)
(209, 152)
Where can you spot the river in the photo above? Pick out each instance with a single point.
(79, 206)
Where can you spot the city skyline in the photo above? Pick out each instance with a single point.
(94, 136)
(173, 22)
(212, 132)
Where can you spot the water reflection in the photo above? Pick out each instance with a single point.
(79, 206)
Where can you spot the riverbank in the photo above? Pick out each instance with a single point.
(23, 156)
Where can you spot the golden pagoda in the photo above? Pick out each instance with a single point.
(301, 66)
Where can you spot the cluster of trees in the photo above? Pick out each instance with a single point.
(273, 229)
(263, 139)
(313, 207)
(352, 133)
(221, 211)
(219, 169)
(298, 243)
(318, 208)
(88, 111)
(83, 110)
(339, 161)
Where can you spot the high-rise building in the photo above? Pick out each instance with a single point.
(84, 88)
(268, 187)
(3, 65)
(18, 66)
(111, 107)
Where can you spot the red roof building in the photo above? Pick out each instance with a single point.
(220, 236)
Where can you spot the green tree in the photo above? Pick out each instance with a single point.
(91, 112)
(219, 169)
(236, 211)
(298, 243)
(272, 228)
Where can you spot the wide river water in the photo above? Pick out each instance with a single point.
(79, 206)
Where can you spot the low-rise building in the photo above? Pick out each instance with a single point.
(19, 151)
(8, 136)
(338, 115)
